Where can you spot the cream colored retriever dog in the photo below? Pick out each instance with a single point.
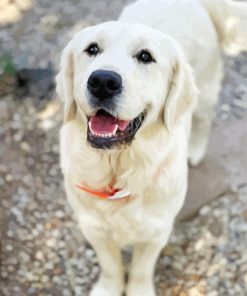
(129, 90)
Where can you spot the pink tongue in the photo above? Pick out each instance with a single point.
(106, 124)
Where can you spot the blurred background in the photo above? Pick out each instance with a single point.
(42, 252)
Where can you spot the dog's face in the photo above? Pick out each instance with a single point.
(120, 78)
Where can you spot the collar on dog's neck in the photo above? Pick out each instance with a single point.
(109, 193)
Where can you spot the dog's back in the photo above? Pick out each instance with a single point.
(199, 26)
(203, 28)
(230, 21)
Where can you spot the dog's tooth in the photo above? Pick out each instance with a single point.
(115, 130)
(102, 135)
(90, 127)
(107, 135)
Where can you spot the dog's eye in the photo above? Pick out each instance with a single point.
(145, 57)
(93, 49)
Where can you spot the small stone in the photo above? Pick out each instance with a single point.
(176, 290)
(39, 255)
(25, 147)
(9, 178)
(89, 253)
(17, 289)
(49, 265)
(195, 277)
(212, 293)
(216, 228)
(4, 274)
(213, 280)
(59, 214)
(225, 107)
(51, 242)
(9, 248)
(45, 278)
(204, 211)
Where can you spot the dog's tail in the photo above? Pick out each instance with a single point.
(230, 21)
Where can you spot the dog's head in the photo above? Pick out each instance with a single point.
(120, 78)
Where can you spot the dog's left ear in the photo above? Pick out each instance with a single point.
(182, 92)
(65, 81)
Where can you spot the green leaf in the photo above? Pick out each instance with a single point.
(6, 65)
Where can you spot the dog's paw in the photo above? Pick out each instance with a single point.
(140, 289)
(99, 291)
(195, 163)
(196, 157)
(107, 287)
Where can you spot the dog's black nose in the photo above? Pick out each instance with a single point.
(104, 84)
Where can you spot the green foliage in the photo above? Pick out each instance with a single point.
(7, 66)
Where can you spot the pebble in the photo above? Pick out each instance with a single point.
(9, 248)
(59, 214)
(212, 293)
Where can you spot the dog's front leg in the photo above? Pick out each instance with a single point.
(111, 281)
(145, 257)
(142, 269)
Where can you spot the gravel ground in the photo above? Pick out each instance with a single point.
(42, 251)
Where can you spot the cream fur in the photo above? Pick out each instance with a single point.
(154, 167)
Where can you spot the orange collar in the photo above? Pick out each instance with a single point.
(109, 193)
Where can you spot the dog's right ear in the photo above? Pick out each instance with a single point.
(65, 83)
(182, 93)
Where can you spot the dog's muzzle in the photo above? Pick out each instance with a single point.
(106, 131)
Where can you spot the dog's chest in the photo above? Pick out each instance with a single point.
(123, 220)
(135, 218)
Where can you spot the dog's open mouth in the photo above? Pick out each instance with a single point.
(106, 131)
